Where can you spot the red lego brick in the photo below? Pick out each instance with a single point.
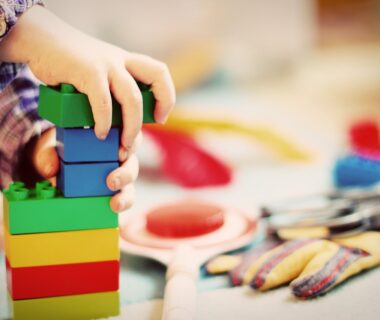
(62, 280)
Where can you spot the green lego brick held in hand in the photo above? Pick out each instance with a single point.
(44, 209)
(67, 108)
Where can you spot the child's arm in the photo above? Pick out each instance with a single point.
(19, 121)
(57, 53)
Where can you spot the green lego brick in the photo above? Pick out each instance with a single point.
(67, 108)
(44, 209)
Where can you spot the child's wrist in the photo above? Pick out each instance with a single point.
(24, 42)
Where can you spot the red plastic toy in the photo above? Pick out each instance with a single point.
(185, 219)
(62, 280)
(365, 139)
(185, 163)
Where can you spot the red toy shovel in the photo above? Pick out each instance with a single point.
(185, 163)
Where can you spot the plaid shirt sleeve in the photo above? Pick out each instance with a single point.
(10, 11)
(19, 121)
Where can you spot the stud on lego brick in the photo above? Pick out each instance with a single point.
(67, 108)
(62, 280)
(45, 249)
(83, 306)
(82, 145)
(44, 209)
(85, 179)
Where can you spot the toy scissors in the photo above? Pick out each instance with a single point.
(340, 213)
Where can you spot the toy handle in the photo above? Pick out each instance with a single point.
(181, 292)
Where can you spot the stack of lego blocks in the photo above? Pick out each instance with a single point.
(62, 254)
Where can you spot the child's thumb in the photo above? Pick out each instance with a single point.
(47, 162)
(45, 157)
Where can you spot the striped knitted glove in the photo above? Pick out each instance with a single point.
(313, 267)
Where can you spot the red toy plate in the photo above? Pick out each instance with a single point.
(185, 219)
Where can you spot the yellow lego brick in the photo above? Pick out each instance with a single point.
(77, 307)
(42, 249)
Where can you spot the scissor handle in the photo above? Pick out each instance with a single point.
(180, 291)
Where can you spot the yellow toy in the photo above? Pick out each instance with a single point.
(42, 249)
(84, 306)
(263, 135)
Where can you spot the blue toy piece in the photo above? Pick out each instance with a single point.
(355, 171)
(85, 179)
(81, 145)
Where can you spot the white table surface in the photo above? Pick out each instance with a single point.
(357, 299)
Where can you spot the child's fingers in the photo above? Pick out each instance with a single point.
(156, 73)
(124, 153)
(47, 163)
(124, 175)
(97, 90)
(45, 157)
(136, 143)
(124, 199)
(128, 94)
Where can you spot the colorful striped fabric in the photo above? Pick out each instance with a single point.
(324, 279)
(237, 264)
(236, 274)
(311, 266)
(274, 260)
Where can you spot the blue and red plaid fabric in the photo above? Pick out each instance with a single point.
(19, 120)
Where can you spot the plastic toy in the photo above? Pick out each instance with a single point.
(365, 139)
(62, 252)
(81, 145)
(83, 306)
(188, 220)
(265, 136)
(184, 256)
(355, 171)
(44, 209)
(85, 179)
(44, 249)
(72, 109)
(185, 163)
(62, 280)
(365, 135)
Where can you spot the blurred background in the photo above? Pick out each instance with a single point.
(294, 73)
(290, 75)
(314, 61)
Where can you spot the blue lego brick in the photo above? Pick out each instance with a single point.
(354, 171)
(85, 179)
(82, 145)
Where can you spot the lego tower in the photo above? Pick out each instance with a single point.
(61, 244)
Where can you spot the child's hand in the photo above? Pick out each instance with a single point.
(46, 162)
(57, 53)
